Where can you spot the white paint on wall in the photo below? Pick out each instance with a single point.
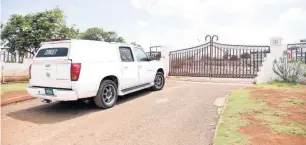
(165, 59)
(15, 69)
(266, 73)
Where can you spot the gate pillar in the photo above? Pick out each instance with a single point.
(266, 73)
(165, 59)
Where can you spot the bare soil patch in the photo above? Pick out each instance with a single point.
(283, 100)
(260, 134)
(10, 95)
(288, 104)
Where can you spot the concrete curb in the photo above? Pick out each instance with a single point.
(17, 99)
(194, 79)
(221, 114)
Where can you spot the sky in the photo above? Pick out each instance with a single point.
(178, 24)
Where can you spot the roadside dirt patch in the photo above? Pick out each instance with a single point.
(14, 97)
(11, 95)
(260, 134)
(292, 101)
(288, 105)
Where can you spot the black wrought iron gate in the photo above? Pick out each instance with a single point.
(214, 59)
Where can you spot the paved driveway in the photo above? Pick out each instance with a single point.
(182, 113)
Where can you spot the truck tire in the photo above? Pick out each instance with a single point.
(107, 94)
(159, 81)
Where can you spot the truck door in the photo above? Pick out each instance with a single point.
(145, 68)
(129, 68)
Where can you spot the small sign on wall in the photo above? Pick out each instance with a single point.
(276, 41)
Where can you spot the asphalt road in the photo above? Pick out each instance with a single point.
(182, 113)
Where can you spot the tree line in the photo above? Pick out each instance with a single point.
(25, 33)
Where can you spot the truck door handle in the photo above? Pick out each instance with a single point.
(126, 67)
(140, 66)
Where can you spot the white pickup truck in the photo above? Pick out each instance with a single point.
(69, 70)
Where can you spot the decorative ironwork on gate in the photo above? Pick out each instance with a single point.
(154, 55)
(297, 51)
(214, 59)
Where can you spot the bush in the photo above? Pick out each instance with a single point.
(289, 71)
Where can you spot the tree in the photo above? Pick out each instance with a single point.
(245, 55)
(66, 32)
(99, 34)
(24, 33)
(92, 34)
(111, 36)
(135, 44)
(13, 33)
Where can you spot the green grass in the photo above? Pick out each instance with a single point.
(289, 102)
(241, 102)
(297, 101)
(275, 123)
(278, 85)
(289, 128)
(228, 130)
(13, 87)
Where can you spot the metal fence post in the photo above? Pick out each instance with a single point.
(2, 75)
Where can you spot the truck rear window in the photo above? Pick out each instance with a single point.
(52, 52)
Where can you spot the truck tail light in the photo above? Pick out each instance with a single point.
(75, 71)
(30, 68)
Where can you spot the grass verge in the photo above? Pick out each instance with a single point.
(228, 130)
(12, 87)
(279, 85)
(241, 102)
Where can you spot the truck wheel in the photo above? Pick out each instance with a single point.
(159, 81)
(107, 95)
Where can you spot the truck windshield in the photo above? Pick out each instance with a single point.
(52, 52)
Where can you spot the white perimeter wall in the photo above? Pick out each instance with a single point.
(15, 69)
(165, 59)
(266, 73)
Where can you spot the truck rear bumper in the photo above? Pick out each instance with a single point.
(59, 94)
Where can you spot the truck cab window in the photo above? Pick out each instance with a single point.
(126, 54)
(52, 52)
(140, 54)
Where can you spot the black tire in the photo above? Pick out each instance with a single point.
(99, 99)
(157, 86)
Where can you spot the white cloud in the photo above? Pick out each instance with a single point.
(292, 24)
(235, 21)
(136, 4)
(294, 14)
(142, 23)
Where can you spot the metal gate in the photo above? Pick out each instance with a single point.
(154, 55)
(214, 59)
(297, 51)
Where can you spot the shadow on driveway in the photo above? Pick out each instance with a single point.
(58, 112)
